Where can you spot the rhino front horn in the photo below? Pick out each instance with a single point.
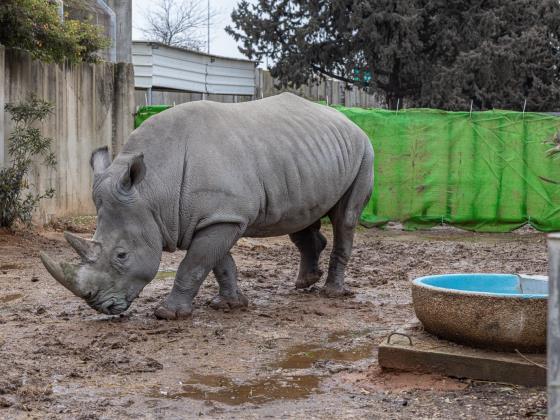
(87, 250)
(64, 273)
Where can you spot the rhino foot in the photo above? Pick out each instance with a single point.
(227, 303)
(308, 279)
(336, 291)
(173, 312)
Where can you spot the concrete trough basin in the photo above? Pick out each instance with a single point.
(504, 312)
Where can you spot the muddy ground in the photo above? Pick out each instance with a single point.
(292, 354)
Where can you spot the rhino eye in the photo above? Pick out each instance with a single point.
(122, 255)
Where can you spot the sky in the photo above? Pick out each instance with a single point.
(220, 42)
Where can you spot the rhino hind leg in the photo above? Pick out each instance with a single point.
(229, 296)
(208, 247)
(310, 243)
(344, 217)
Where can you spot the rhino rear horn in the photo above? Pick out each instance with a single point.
(88, 250)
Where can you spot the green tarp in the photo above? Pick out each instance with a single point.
(485, 171)
(146, 112)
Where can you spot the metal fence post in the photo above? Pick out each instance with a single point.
(553, 328)
(2, 115)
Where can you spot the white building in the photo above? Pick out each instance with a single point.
(168, 75)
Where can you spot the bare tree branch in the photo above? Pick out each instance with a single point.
(178, 23)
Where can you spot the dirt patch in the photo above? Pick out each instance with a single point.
(378, 380)
(292, 354)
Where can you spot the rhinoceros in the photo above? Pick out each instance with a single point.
(200, 176)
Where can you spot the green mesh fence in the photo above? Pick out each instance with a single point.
(485, 171)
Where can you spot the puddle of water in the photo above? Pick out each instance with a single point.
(276, 387)
(9, 298)
(166, 274)
(305, 355)
(224, 390)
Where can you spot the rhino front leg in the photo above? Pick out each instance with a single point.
(209, 246)
(229, 296)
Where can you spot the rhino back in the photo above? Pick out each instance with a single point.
(274, 165)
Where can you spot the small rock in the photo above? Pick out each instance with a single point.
(153, 365)
(336, 369)
(5, 403)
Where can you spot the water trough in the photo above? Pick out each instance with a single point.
(504, 312)
(478, 326)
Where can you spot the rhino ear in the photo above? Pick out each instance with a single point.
(100, 160)
(134, 173)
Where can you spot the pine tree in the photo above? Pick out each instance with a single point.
(431, 53)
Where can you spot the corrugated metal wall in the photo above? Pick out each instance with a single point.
(161, 66)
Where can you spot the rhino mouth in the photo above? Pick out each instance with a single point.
(111, 306)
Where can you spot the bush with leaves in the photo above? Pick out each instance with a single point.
(25, 143)
(35, 26)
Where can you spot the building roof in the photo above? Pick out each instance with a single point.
(193, 51)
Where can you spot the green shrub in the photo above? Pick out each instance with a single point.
(34, 26)
(25, 143)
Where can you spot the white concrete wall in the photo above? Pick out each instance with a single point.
(93, 107)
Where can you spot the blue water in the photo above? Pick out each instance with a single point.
(494, 284)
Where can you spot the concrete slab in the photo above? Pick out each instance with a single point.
(412, 349)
